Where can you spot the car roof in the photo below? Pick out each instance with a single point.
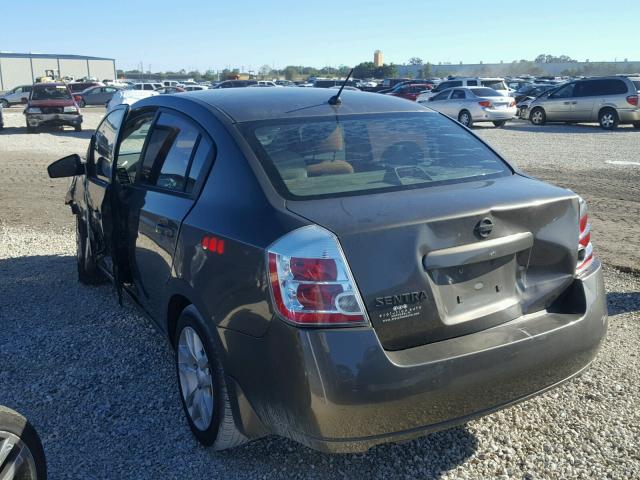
(50, 84)
(251, 104)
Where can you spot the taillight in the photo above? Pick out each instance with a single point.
(513, 103)
(633, 100)
(311, 284)
(585, 248)
(485, 103)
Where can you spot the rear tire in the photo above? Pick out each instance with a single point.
(31, 129)
(21, 440)
(201, 374)
(78, 128)
(636, 125)
(5, 103)
(464, 117)
(538, 116)
(608, 119)
(500, 123)
(82, 103)
(88, 271)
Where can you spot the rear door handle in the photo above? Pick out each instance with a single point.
(165, 230)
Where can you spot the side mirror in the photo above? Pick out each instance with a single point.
(68, 166)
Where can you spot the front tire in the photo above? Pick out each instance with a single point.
(82, 103)
(538, 116)
(608, 119)
(78, 128)
(499, 123)
(21, 453)
(31, 129)
(636, 125)
(202, 384)
(464, 117)
(5, 103)
(88, 271)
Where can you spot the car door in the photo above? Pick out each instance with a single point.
(439, 101)
(559, 105)
(455, 104)
(98, 185)
(584, 100)
(175, 151)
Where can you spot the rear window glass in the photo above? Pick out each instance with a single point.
(637, 84)
(485, 92)
(52, 92)
(495, 84)
(346, 155)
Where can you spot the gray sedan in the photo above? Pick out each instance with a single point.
(95, 96)
(469, 105)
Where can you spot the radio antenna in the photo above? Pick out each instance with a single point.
(336, 100)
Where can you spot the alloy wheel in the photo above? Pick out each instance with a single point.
(196, 378)
(16, 460)
(536, 117)
(607, 120)
(464, 119)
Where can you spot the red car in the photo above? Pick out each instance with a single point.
(52, 104)
(410, 91)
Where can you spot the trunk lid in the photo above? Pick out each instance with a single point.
(439, 262)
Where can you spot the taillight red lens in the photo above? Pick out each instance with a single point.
(633, 100)
(513, 103)
(585, 248)
(485, 103)
(311, 283)
(314, 269)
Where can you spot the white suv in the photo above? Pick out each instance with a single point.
(16, 95)
(495, 83)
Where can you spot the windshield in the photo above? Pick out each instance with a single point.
(485, 92)
(495, 84)
(333, 156)
(52, 92)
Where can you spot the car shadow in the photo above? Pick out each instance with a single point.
(428, 457)
(623, 302)
(71, 346)
(523, 126)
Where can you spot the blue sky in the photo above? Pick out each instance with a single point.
(215, 34)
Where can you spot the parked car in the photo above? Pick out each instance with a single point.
(285, 83)
(21, 452)
(1, 117)
(410, 91)
(469, 105)
(194, 88)
(146, 86)
(281, 243)
(129, 97)
(264, 83)
(609, 101)
(16, 95)
(531, 91)
(522, 106)
(95, 96)
(77, 87)
(496, 84)
(171, 83)
(234, 84)
(52, 104)
(169, 90)
(346, 87)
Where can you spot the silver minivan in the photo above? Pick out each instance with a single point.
(609, 101)
(16, 95)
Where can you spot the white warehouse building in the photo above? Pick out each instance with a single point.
(23, 68)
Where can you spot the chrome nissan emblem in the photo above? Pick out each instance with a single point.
(484, 227)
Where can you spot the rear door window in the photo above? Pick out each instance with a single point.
(348, 155)
(458, 95)
(173, 159)
(442, 96)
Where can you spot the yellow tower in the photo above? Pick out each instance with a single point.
(378, 58)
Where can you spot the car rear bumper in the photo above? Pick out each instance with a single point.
(38, 119)
(629, 115)
(493, 115)
(338, 390)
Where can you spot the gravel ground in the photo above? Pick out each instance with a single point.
(98, 381)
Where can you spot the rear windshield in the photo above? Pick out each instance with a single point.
(485, 92)
(495, 84)
(53, 92)
(637, 84)
(357, 154)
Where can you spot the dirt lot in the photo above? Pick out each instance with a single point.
(99, 382)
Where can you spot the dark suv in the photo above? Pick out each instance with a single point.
(343, 273)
